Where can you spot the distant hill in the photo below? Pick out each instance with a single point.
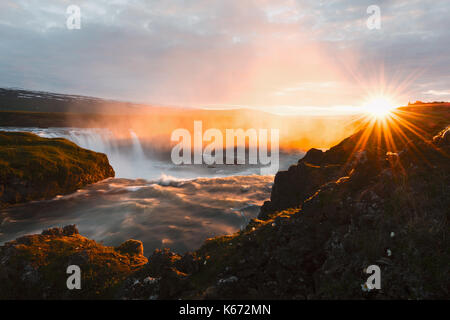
(39, 101)
(22, 100)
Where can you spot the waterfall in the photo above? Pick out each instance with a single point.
(126, 155)
(137, 147)
(133, 157)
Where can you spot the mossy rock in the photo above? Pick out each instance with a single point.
(35, 168)
(34, 266)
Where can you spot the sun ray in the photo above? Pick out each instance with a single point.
(379, 106)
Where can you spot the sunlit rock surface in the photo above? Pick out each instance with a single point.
(35, 168)
(34, 266)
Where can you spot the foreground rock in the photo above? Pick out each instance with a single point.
(34, 267)
(35, 168)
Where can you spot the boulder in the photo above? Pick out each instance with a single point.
(131, 247)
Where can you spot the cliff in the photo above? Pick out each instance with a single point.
(35, 168)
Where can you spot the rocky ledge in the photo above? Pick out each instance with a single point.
(35, 168)
(35, 266)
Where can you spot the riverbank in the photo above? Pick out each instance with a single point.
(35, 168)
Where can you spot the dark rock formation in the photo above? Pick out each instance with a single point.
(131, 247)
(68, 230)
(292, 187)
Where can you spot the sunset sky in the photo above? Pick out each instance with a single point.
(281, 56)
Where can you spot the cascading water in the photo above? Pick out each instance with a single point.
(137, 147)
(129, 157)
(160, 203)
(126, 154)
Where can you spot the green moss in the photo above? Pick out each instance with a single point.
(33, 168)
(102, 268)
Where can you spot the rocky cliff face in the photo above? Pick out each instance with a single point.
(35, 168)
(302, 180)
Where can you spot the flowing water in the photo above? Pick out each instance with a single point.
(151, 199)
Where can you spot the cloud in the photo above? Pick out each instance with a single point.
(199, 52)
(437, 93)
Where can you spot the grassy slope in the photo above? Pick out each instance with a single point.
(33, 168)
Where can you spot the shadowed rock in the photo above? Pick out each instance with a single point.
(131, 247)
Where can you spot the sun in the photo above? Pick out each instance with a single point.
(379, 107)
